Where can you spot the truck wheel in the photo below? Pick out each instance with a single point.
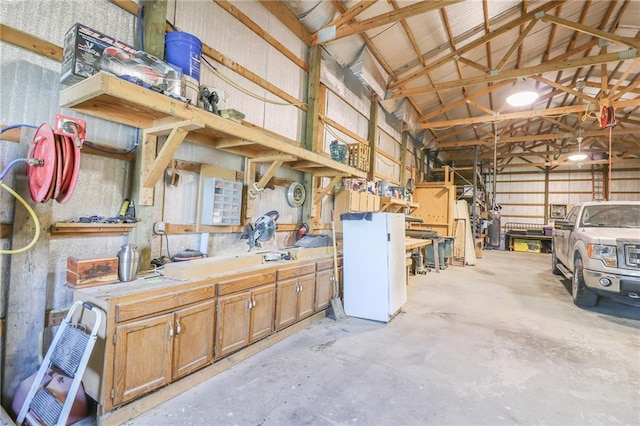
(554, 263)
(582, 296)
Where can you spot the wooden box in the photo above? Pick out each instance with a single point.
(89, 271)
(359, 156)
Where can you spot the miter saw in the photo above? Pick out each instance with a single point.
(262, 230)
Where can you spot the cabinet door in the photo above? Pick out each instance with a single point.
(324, 289)
(193, 338)
(142, 359)
(306, 295)
(262, 312)
(286, 303)
(232, 323)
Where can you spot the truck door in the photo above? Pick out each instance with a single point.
(563, 247)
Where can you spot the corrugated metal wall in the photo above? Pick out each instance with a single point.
(522, 195)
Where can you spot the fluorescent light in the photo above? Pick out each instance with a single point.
(523, 93)
(577, 157)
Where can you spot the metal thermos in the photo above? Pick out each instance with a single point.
(128, 262)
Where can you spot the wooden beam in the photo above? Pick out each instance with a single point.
(284, 15)
(32, 43)
(343, 129)
(522, 72)
(516, 44)
(502, 117)
(351, 13)
(333, 33)
(592, 31)
(462, 101)
(624, 75)
(128, 5)
(236, 13)
(539, 137)
(154, 17)
(481, 107)
(627, 89)
(473, 64)
(564, 88)
(478, 42)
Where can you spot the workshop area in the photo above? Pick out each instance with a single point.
(472, 346)
(319, 212)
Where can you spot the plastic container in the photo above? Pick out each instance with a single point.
(184, 51)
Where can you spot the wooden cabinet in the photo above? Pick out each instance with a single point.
(243, 318)
(142, 357)
(353, 201)
(324, 289)
(295, 299)
(193, 338)
(157, 331)
(152, 352)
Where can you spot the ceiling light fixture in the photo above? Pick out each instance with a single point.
(579, 156)
(523, 93)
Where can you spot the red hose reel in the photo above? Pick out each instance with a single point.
(54, 159)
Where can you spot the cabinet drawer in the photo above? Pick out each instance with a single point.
(296, 271)
(162, 302)
(245, 283)
(323, 265)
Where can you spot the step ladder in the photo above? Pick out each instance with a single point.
(597, 179)
(69, 353)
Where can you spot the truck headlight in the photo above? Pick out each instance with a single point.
(605, 253)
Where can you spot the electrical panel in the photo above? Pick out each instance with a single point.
(221, 202)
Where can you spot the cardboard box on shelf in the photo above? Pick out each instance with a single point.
(87, 52)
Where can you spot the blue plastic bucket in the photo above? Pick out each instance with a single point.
(184, 51)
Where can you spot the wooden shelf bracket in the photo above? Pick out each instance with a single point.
(321, 192)
(177, 132)
(253, 188)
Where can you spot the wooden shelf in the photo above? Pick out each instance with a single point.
(73, 229)
(108, 97)
(395, 205)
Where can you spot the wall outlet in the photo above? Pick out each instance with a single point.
(159, 228)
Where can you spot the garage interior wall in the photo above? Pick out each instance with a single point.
(522, 194)
(31, 88)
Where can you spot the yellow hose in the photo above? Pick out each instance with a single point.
(31, 213)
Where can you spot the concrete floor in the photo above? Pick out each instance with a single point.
(496, 343)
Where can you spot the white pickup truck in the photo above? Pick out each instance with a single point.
(598, 248)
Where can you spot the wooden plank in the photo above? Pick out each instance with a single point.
(12, 135)
(27, 41)
(236, 13)
(6, 229)
(351, 13)
(145, 107)
(146, 403)
(478, 42)
(333, 33)
(521, 72)
(128, 5)
(194, 269)
(516, 44)
(343, 129)
(586, 29)
(284, 15)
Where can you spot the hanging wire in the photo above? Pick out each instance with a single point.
(609, 185)
(241, 88)
(495, 165)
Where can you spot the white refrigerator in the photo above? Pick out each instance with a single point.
(374, 264)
